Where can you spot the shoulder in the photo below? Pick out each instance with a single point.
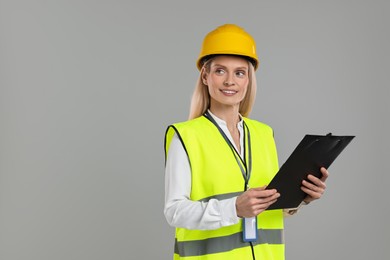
(187, 131)
(258, 126)
(189, 125)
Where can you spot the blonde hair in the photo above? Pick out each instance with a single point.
(200, 101)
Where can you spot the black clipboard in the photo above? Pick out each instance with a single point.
(312, 153)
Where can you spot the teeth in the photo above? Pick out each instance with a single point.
(229, 91)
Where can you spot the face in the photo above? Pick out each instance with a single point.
(227, 81)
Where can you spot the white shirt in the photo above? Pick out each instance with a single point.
(182, 212)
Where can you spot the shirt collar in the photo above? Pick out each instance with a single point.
(222, 122)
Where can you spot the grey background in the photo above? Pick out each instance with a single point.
(87, 89)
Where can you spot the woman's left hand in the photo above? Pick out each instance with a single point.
(316, 187)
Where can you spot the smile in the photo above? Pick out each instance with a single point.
(228, 91)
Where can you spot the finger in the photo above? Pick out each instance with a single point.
(320, 186)
(254, 202)
(311, 193)
(262, 193)
(315, 181)
(325, 174)
(269, 199)
(312, 190)
(312, 187)
(263, 206)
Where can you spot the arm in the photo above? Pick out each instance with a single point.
(179, 209)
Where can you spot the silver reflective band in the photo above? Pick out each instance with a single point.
(226, 243)
(222, 196)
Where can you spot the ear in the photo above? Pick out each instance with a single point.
(204, 76)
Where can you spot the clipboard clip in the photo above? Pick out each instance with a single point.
(329, 134)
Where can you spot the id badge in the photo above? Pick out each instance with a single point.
(249, 229)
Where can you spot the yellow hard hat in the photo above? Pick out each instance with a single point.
(228, 39)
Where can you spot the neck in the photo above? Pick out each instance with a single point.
(228, 114)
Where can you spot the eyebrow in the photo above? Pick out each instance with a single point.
(238, 68)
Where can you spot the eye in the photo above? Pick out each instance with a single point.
(219, 71)
(240, 73)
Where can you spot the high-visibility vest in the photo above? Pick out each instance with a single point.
(215, 174)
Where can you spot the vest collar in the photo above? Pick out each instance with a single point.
(222, 122)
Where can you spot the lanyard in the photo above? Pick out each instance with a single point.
(245, 167)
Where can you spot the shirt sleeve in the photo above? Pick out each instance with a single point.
(292, 211)
(179, 209)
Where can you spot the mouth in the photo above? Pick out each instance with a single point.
(228, 91)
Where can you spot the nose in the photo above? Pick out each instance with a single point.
(229, 81)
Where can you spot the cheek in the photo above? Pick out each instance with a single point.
(245, 85)
(210, 89)
(213, 85)
(244, 92)
(213, 81)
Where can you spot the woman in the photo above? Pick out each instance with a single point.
(219, 162)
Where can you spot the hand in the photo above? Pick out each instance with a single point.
(254, 201)
(316, 187)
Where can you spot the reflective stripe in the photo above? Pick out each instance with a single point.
(222, 196)
(226, 243)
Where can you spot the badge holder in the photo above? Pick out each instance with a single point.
(249, 229)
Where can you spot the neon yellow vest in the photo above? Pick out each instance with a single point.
(216, 174)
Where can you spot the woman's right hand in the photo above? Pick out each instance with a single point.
(254, 201)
